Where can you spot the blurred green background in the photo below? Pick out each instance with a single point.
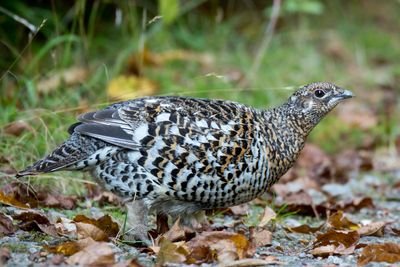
(62, 58)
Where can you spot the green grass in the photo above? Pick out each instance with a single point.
(297, 55)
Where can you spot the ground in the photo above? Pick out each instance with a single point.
(62, 59)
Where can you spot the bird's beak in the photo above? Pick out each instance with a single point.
(346, 94)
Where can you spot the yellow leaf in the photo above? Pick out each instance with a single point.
(129, 87)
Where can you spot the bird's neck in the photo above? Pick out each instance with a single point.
(286, 134)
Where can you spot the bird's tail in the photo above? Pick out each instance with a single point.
(63, 156)
(68, 155)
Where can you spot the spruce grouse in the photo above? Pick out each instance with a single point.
(178, 156)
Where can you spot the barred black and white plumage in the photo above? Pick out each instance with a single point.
(178, 155)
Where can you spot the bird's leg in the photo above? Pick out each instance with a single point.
(137, 221)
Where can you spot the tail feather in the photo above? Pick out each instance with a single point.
(75, 149)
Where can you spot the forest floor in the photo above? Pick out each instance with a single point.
(308, 219)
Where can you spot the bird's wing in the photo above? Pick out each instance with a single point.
(208, 135)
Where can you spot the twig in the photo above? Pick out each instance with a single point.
(269, 32)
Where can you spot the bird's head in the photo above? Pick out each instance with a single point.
(313, 101)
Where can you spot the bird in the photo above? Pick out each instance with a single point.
(179, 156)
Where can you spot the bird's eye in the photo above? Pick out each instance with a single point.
(319, 93)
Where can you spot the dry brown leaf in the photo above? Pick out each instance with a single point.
(11, 201)
(375, 229)
(57, 201)
(176, 232)
(304, 229)
(85, 230)
(71, 247)
(16, 128)
(65, 226)
(386, 252)
(396, 231)
(5, 255)
(269, 214)
(335, 242)
(260, 237)
(104, 223)
(339, 221)
(71, 76)
(169, 252)
(355, 204)
(219, 245)
(6, 225)
(128, 87)
(31, 220)
(96, 254)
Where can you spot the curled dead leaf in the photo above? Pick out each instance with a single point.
(304, 229)
(31, 220)
(339, 221)
(104, 223)
(85, 230)
(335, 242)
(6, 225)
(375, 228)
(220, 246)
(386, 252)
(269, 214)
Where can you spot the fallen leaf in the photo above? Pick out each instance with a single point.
(104, 223)
(17, 128)
(6, 225)
(71, 247)
(176, 232)
(335, 242)
(269, 214)
(304, 229)
(57, 201)
(5, 255)
(386, 252)
(260, 237)
(68, 77)
(356, 204)
(96, 254)
(221, 246)
(128, 87)
(396, 231)
(65, 226)
(339, 221)
(31, 220)
(11, 201)
(170, 252)
(375, 229)
(85, 230)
